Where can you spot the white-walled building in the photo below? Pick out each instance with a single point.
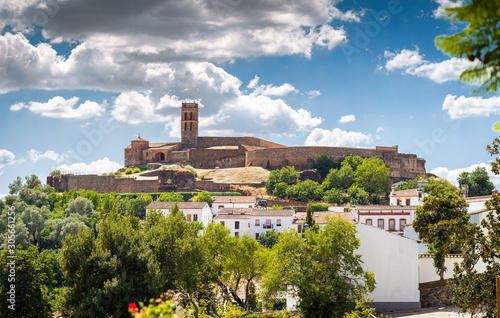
(394, 261)
(234, 202)
(392, 218)
(406, 197)
(254, 221)
(193, 211)
(321, 218)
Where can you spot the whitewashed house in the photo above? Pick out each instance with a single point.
(262, 220)
(392, 218)
(193, 211)
(321, 218)
(234, 202)
(393, 259)
(406, 197)
(254, 221)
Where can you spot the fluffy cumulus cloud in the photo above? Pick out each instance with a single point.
(7, 158)
(413, 63)
(347, 119)
(338, 137)
(440, 12)
(95, 167)
(462, 107)
(452, 174)
(155, 54)
(59, 107)
(270, 89)
(171, 30)
(35, 156)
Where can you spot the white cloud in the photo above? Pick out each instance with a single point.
(440, 12)
(97, 167)
(463, 107)
(337, 137)
(406, 59)
(379, 129)
(452, 174)
(347, 119)
(413, 63)
(313, 93)
(270, 89)
(59, 107)
(189, 30)
(7, 158)
(135, 108)
(35, 156)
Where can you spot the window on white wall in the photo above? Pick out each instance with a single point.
(257, 222)
(380, 223)
(278, 222)
(368, 221)
(236, 225)
(195, 217)
(188, 217)
(392, 225)
(402, 224)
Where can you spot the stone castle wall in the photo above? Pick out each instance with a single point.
(207, 142)
(177, 156)
(303, 157)
(402, 166)
(168, 180)
(222, 158)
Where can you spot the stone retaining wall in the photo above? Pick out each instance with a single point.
(435, 294)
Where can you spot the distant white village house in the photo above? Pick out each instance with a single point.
(193, 211)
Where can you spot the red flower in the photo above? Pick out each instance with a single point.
(132, 307)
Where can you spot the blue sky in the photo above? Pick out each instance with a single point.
(80, 79)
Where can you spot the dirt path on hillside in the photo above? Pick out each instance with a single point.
(235, 175)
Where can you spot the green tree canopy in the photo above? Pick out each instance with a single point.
(478, 181)
(352, 161)
(33, 181)
(286, 174)
(15, 185)
(170, 197)
(137, 206)
(410, 184)
(340, 179)
(32, 273)
(334, 196)
(203, 196)
(269, 238)
(477, 41)
(439, 221)
(322, 268)
(324, 164)
(357, 196)
(373, 176)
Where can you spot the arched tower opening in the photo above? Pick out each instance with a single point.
(189, 125)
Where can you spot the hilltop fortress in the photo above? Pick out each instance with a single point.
(230, 152)
(220, 152)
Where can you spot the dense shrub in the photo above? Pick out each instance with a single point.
(334, 196)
